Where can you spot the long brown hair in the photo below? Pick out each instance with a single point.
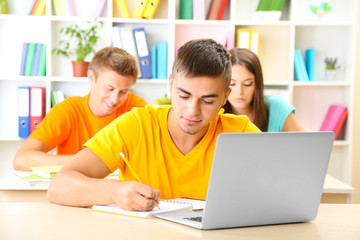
(248, 59)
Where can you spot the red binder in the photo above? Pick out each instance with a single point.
(37, 109)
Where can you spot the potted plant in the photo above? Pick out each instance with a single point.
(77, 44)
(331, 67)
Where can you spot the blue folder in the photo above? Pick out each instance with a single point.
(143, 52)
(24, 111)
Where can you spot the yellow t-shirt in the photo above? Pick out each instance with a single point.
(142, 135)
(70, 124)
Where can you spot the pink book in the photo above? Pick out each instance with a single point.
(199, 10)
(99, 8)
(334, 119)
(69, 7)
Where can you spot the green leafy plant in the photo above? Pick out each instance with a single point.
(331, 63)
(78, 42)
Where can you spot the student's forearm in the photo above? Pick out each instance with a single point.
(23, 161)
(72, 188)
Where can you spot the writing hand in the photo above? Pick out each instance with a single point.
(135, 196)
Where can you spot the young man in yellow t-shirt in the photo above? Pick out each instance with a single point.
(69, 124)
(170, 148)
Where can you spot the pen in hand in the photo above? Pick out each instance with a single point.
(134, 173)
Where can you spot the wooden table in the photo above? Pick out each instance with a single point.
(44, 220)
(12, 189)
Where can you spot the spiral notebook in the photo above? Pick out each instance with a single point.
(166, 206)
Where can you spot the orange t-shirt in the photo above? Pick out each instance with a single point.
(70, 124)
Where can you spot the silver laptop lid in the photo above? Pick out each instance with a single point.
(266, 178)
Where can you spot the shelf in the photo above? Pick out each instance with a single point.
(321, 84)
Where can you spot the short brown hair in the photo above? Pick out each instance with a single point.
(115, 59)
(203, 57)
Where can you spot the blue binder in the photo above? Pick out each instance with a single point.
(162, 60)
(24, 111)
(143, 52)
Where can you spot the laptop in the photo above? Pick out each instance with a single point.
(261, 179)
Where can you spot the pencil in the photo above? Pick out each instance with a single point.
(134, 173)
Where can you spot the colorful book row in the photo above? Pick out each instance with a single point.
(304, 70)
(38, 7)
(134, 41)
(143, 9)
(33, 59)
(269, 10)
(195, 9)
(31, 110)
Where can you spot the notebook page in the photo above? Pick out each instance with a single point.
(165, 206)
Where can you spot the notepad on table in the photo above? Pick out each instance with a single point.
(165, 206)
(46, 171)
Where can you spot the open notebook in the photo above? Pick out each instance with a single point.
(166, 206)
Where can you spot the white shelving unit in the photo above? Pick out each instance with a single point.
(332, 35)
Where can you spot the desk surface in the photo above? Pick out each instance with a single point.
(13, 182)
(43, 220)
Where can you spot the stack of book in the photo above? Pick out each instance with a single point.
(134, 41)
(195, 9)
(269, 10)
(304, 70)
(33, 59)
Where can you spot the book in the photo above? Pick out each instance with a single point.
(162, 60)
(68, 7)
(99, 8)
(310, 63)
(166, 206)
(35, 65)
(40, 8)
(186, 9)
(151, 8)
(276, 9)
(199, 10)
(221, 10)
(213, 9)
(259, 10)
(23, 58)
(299, 67)
(59, 7)
(334, 119)
(154, 61)
(34, 5)
(42, 61)
(29, 59)
(124, 11)
(46, 171)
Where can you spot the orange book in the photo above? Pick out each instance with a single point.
(213, 9)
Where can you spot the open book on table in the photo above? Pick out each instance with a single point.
(174, 205)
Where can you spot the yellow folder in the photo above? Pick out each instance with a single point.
(140, 8)
(151, 8)
(124, 11)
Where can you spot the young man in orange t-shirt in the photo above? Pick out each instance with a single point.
(72, 122)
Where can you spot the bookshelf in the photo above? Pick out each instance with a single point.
(298, 28)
